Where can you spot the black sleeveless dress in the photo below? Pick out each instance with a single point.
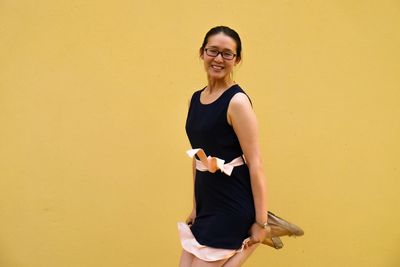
(224, 204)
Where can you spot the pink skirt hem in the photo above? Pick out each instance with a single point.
(190, 244)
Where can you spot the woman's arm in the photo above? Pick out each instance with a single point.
(244, 122)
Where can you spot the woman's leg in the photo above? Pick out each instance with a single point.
(186, 259)
(200, 263)
(239, 258)
(189, 260)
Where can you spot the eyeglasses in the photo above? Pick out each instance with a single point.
(212, 52)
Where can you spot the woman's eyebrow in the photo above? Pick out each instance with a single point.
(224, 49)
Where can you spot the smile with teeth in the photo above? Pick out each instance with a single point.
(215, 67)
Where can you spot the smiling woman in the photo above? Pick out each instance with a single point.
(229, 218)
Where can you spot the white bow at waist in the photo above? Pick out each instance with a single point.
(212, 164)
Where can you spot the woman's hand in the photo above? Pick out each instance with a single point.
(257, 234)
(190, 219)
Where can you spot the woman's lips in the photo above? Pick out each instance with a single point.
(215, 67)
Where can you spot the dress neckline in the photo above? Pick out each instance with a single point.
(216, 100)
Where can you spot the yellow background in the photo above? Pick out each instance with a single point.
(93, 101)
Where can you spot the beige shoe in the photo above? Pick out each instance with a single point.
(274, 242)
(291, 229)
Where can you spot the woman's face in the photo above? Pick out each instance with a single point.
(219, 67)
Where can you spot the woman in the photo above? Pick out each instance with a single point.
(229, 217)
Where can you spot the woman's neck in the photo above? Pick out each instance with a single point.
(218, 85)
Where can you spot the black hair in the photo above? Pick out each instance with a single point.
(227, 31)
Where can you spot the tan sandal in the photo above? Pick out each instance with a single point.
(274, 242)
(291, 228)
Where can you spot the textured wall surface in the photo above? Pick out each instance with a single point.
(93, 101)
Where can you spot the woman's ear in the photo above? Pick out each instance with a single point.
(237, 61)
(201, 53)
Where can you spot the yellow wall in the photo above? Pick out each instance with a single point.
(93, 100)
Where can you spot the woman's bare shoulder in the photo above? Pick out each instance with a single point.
(240, 99)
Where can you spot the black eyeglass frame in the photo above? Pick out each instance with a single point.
(220, 52)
